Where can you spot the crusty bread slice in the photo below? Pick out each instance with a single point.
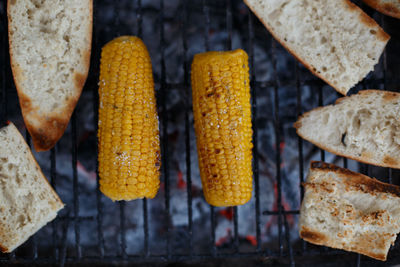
(50, 44)
(347, 210)
(387, 7)
(27, 201)
(335, 40)
(364, 127)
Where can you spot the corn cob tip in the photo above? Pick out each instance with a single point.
(212, 56)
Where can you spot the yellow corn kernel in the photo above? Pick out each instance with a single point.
(222, 121)
(129, 167)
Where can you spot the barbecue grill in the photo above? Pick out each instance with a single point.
(178, 226)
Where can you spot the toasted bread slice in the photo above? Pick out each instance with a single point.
(387, 7)
(347, 210)
(335, 40)
(27, 201)
(50, 44)
(363, 127)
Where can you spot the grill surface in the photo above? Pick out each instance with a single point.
(233, 20)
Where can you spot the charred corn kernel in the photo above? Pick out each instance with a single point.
(129, 145)
(222, 120)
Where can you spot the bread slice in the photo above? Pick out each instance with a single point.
(387, 7)
(363, 127)
(27, 201)
(50, 44)
(347, 210)
(335, 40)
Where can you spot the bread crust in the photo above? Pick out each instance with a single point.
(47, 129)
(58, 205)
(389, 9)
(365, 19)
(319, 239)
(4, 249)
(372, 244)
(362, 182)
(388, 161)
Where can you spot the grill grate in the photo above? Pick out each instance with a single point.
(286, 250)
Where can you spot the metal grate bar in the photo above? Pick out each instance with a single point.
(164, 118)
(299, 139)
(344, 162)
(289, 82)
(63, 249)
(139, 18)
(358, 260)
(206, 14)
(121, 204)
(34, 248)
(300, 144)
(184, 20)
(213, 247)
(74, 152)
(95, 63)
(33, 238)
(122, 229)
(116, 20)
(229, 47)
(269, 212)
(99, 217)
(321, 103)
(28, 138)
(236, 228)
(277, 147)
(72, 218)
(229, 24)
(255, 133)
(145, 228)
(287, 236)
(161, 258)
(53, 175)
(139, 31)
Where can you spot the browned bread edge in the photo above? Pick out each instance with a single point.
(357, 180)
(385, 8)
(317, 238)
(50, 130)
(388, 161)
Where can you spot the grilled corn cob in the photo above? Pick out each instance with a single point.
(129, 145)
(222, 120)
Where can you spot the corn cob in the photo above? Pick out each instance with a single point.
(222, 120)
(128, 135)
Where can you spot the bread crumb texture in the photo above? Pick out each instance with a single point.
(335, 39)
(49, 42)
(27, 202)
(350, 211)
(364, 127)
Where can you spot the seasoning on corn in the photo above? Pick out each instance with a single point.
(222, 121)
(129, 145)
